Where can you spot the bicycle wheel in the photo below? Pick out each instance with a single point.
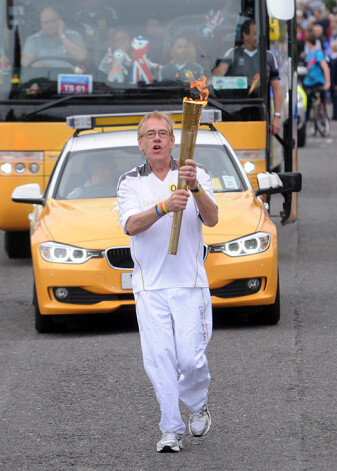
(322, 120)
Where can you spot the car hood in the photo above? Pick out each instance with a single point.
(239, 214)
(84, 221)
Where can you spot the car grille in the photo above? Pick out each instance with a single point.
(120, 257)
(82, 296)
(235, 289)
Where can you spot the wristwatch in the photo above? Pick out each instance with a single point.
(278, 115)
(198, 188)
(198, 191)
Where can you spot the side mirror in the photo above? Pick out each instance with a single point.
(270, 183)
(30, 193)
(284, 10)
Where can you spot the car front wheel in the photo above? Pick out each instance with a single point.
(43, 324)
(271, 313)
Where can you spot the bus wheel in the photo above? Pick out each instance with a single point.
(301, 136)
(17, 244)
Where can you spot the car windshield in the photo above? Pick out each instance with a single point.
(85, 47)
(94, 173)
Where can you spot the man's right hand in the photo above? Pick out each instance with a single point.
(62, 27)
(177, 201)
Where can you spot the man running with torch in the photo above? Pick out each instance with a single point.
(172, 296)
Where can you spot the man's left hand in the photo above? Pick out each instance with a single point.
(188, 172)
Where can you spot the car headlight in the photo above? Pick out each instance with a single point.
(62, 253)
(248, 245)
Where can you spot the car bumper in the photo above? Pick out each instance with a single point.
(95, 287)
(88, 283)
(229, 278)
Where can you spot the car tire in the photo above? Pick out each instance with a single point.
(301, 136)
(17, 244)
(43, 324)
(270, 314)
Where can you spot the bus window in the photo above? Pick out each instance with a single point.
(42, 44)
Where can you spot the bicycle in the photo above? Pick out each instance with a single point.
(321, 120)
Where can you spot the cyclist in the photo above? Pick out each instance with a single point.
(318, 77)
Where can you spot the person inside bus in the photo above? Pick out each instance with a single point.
(180, 68)
(244, 61)
(53, 41)
(102, 176)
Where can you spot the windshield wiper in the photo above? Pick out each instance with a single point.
(237, 190)
(54, 103)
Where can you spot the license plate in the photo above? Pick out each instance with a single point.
(126, 280)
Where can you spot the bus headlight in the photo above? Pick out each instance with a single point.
(34, 168)
(20, 168)
(21, 156)
(248, 245)
(6, 168)
(251, 154)
(249, 167)
(62, 253)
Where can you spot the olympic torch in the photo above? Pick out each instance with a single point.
(190, 124)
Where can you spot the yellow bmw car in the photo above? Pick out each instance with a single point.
(81, 256)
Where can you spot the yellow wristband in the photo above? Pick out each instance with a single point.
(198, 193)
(164, 207)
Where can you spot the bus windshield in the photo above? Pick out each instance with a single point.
(136, 52)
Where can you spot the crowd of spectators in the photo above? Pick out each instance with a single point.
(315, 19)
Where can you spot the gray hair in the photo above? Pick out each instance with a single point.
(158, 115)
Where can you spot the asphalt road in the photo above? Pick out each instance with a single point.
(80, 400)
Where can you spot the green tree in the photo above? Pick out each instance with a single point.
(330, 4)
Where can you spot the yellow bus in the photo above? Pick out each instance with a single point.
(61, 58)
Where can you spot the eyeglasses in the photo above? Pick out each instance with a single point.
(162, 133)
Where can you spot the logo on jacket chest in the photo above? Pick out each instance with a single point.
(152, 201)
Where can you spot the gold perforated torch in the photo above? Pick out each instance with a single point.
(189, 131)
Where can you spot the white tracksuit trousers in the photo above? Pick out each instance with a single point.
(175, 326)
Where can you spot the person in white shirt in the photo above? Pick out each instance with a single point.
(172, 295)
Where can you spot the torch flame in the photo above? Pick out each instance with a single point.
(200, 84)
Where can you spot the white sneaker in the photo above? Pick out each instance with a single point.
(169, 442)
(200, 421)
